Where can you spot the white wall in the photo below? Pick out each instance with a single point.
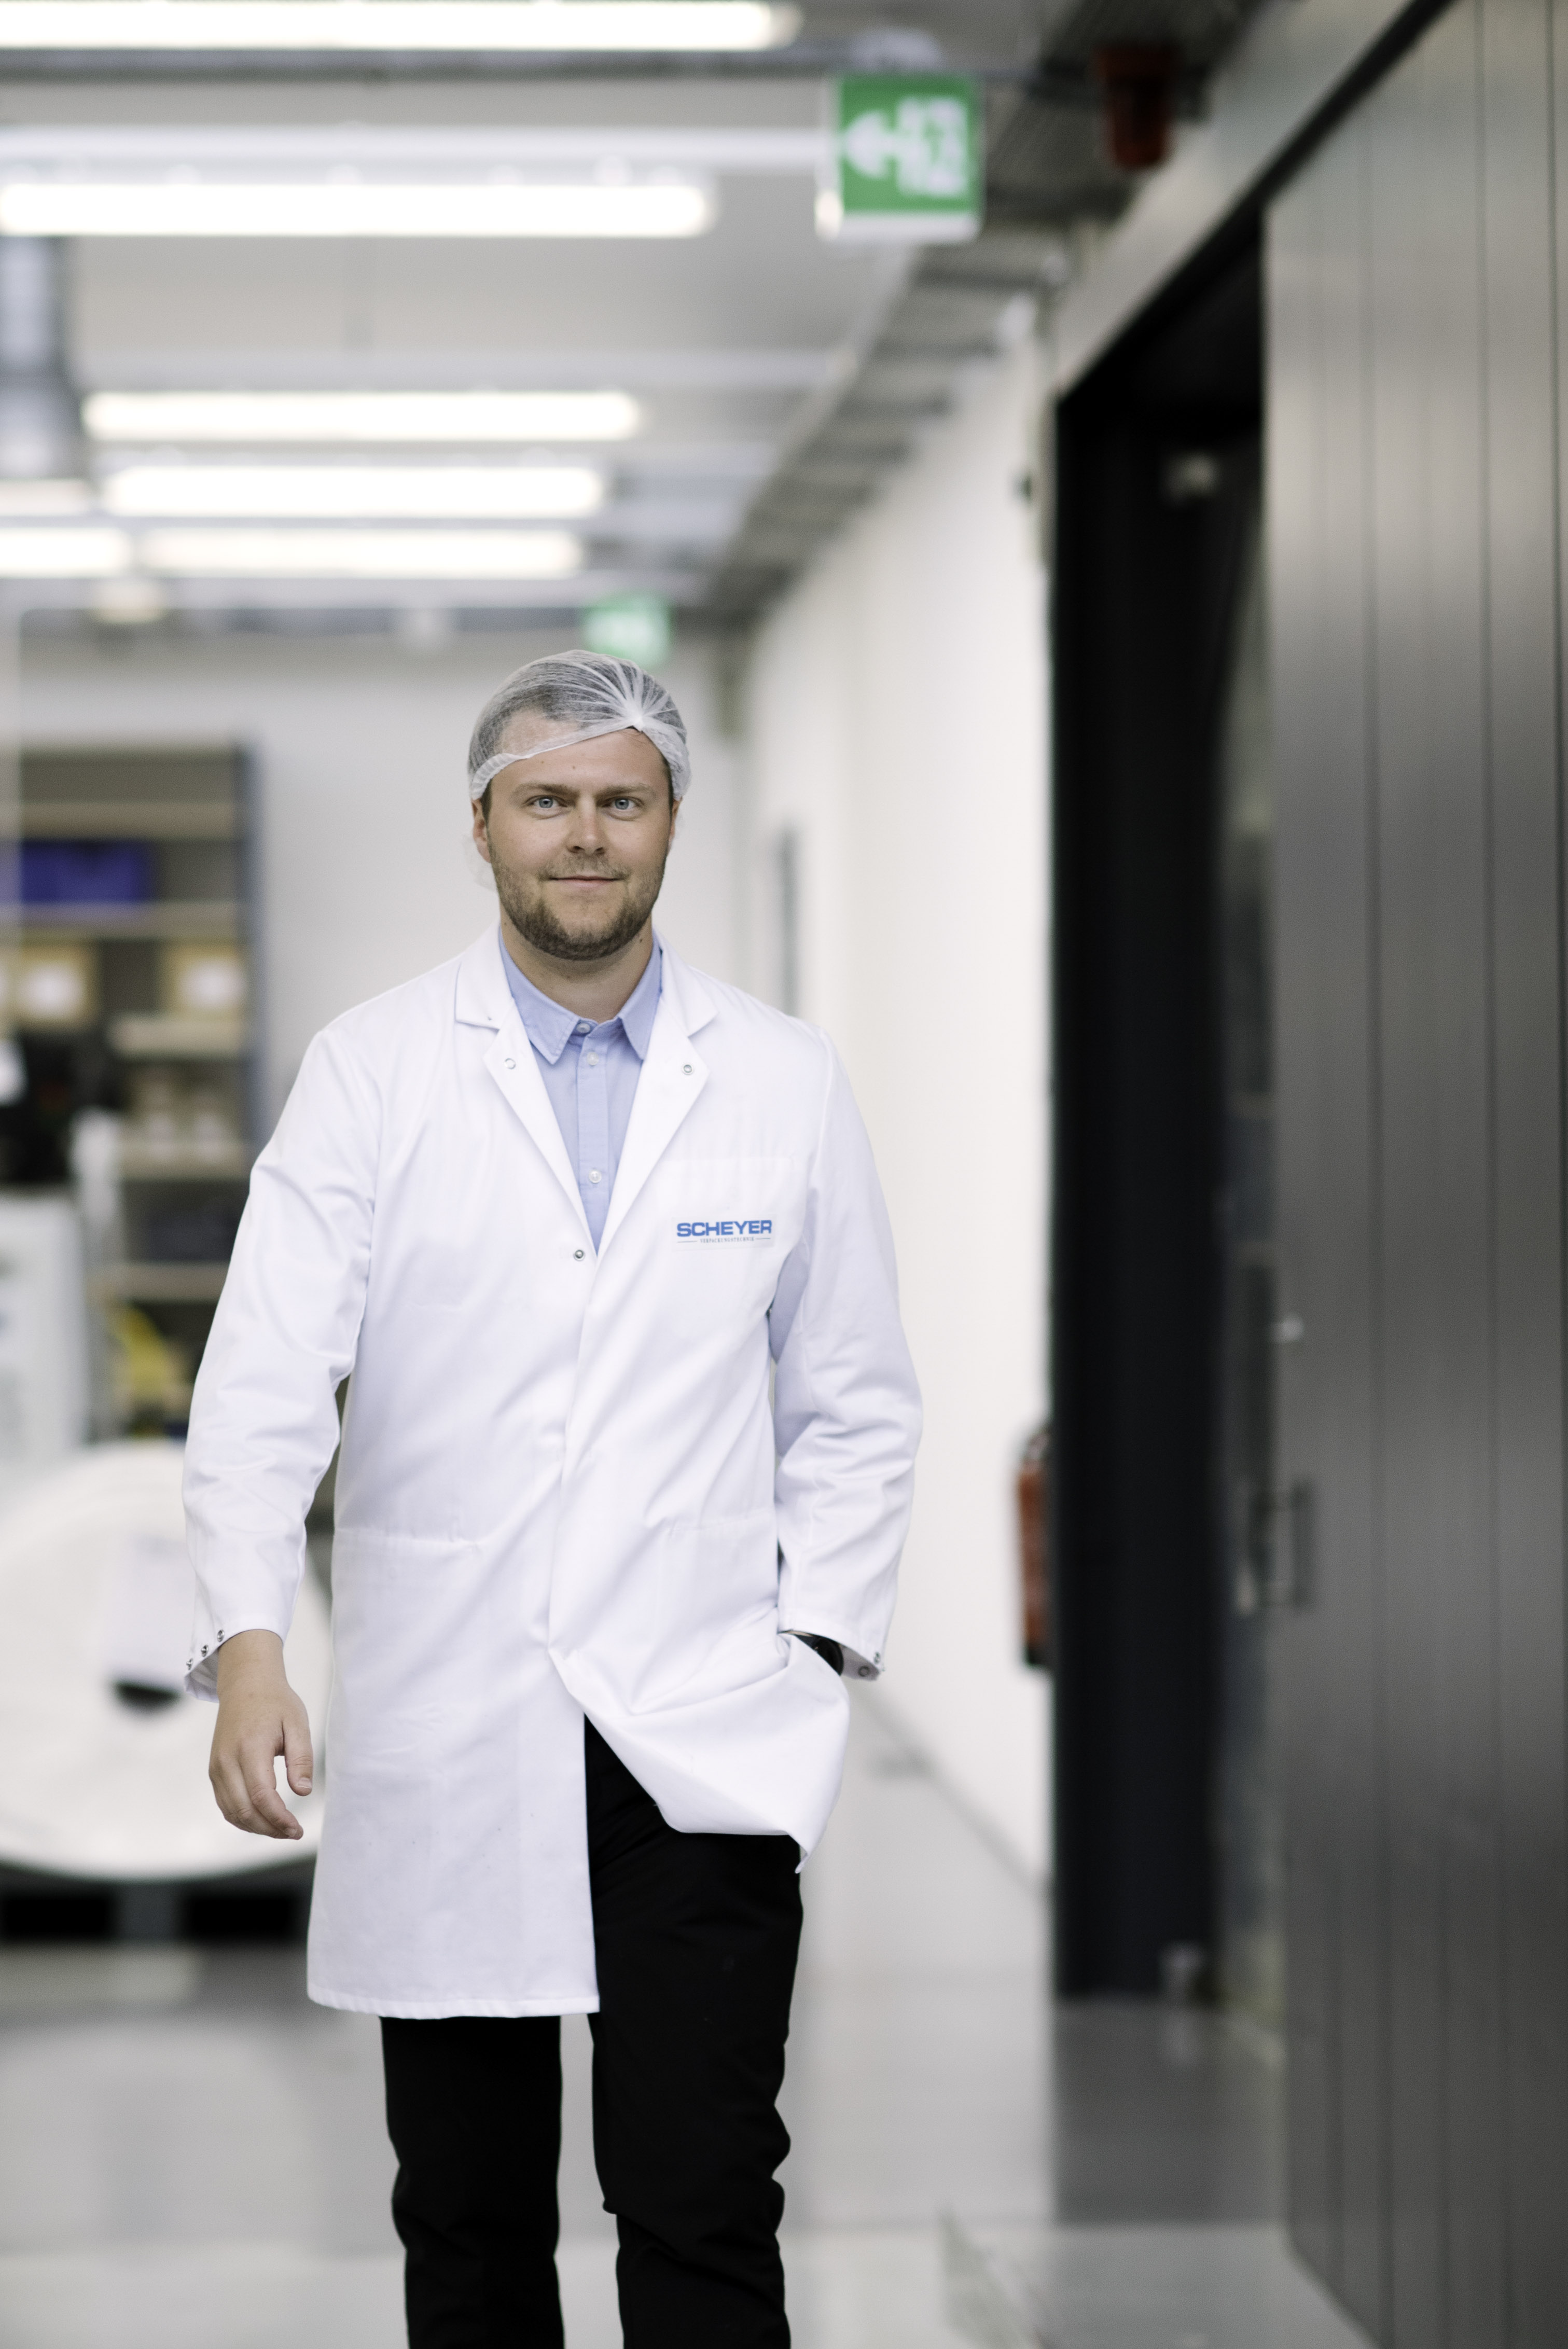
(897, 727)
(360, 748)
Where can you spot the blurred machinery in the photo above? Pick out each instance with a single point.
(105, 1809)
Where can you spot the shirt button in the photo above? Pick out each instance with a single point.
(594, 1175)
(592, 1059)
(582, 1027)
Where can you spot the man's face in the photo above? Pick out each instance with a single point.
(578, 839)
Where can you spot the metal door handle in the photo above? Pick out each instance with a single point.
(1276, 1547)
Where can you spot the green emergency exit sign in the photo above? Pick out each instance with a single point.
(907, 160)
(629, 627)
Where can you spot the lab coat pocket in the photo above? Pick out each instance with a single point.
(413, 1633)
(717, 1612)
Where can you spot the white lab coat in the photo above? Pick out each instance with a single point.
(562, 1489)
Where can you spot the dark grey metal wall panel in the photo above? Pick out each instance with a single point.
(1523, 439)
(1299, 398)
(1319, 541)
(1470, 2211)
(1411, 266)
(1520, 2107)
(1344, 1492)
(1431, 1008)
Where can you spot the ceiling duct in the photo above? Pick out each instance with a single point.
(40, 419)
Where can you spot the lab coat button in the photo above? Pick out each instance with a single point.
(577, 1254)
(686, 1071)
(512, 1064)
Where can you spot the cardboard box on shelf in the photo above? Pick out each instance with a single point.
(203, 982)
(49, 986)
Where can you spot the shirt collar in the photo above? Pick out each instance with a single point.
(637, 1013)
(549, 1026)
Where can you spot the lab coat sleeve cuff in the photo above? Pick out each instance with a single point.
(863, 1657)
(857, 1667)
(207, 1637)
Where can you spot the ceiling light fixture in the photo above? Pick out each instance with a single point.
(358, 492)
(30, 500)
(387, 418)
(63, 554)
(362, 553)
(406, 150)
(187, 207)
(483, 26)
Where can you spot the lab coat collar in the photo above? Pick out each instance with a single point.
(673, 1072)
(484, 1000)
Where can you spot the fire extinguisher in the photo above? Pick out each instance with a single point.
(1033, 1494)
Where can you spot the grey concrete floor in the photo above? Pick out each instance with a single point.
(192, 2156)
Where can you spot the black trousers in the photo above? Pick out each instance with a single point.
(695, 1938)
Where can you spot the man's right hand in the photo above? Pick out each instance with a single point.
(259, 1717)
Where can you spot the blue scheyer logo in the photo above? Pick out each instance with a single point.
(736, 1229)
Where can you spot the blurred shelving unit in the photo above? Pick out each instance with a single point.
(133, 992)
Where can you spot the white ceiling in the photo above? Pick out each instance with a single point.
(735, 343)
(779, 376)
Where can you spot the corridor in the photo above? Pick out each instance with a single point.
(191, 2156)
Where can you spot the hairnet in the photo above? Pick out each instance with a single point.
(590, 694)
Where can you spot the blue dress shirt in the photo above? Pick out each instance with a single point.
(590, 1071)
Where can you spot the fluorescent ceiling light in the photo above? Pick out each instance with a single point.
(407, 151)
(438, 24)
(363, 554)
(62, 553)
(385, 416)
(33, 498)
(358, 492)
(490, 208)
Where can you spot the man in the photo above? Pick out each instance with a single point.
(559, 1207)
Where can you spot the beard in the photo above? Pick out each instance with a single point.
(531, 917)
